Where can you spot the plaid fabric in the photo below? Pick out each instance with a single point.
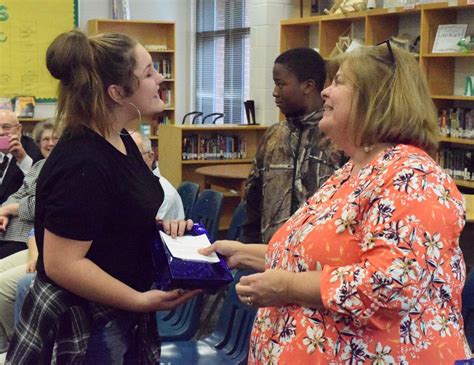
(20, 226)
(55, 325)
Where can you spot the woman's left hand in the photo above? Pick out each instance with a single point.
(176, 228)
(267, 289)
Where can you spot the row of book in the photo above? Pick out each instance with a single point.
(165, 95)
(459, 163)
(23, 106)
(163, 67)
(214, 147)
(162, 119)
(457, 122)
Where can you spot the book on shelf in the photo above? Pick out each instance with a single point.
(161, 119)
(6, 103)
(163, 67)
(165, 95)
(456, 122)
(215, 147)
(458, 162)
(24, 106)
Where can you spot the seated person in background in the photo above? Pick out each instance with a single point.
(17, 161)
(16, 219)
(17, 212)
(13, 269)
(172, 206)
(293, 159)
(369, 270)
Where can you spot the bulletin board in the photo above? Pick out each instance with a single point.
(27, 28)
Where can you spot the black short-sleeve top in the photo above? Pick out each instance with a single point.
(90, 191)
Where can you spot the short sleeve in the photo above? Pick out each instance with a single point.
(76, 201)
(408, 235)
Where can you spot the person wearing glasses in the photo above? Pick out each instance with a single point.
(172, 206)
(369, 269)
(18, 253)
(293, 158)
(16, 161)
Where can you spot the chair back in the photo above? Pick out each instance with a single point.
(232, 334)
(207, 211)
(182, 323)
(188, 191)
(238, 218)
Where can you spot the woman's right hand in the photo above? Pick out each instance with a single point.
(229, 249)
(155, 300)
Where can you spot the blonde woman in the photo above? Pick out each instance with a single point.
(369, 269)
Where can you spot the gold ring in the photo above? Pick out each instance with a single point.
(249, 301)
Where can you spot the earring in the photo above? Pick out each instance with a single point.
(139, 119)
(368, 149)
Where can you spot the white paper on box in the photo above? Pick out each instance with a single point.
(185, 247)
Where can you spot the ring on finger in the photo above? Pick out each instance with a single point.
(248, 301)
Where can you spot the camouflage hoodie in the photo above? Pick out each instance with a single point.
(292, 161)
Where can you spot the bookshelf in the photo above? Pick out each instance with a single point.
(170, 148)
(176, 169)
(159, 39)
(445, 72)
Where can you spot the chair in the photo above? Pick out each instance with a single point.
(182, 323)
(238, 218)
(229, 342)
(207, 210)
(188, 191)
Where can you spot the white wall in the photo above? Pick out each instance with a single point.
(265, 16)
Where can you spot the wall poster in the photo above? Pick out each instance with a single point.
(27, 27)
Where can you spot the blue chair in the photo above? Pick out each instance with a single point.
(182, 323)
(238, 218)
(188, 191)
(229, 342)
(207, 210)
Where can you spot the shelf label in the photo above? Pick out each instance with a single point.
(392, 10)
(470, 2)
(410, 7)
(452, 2)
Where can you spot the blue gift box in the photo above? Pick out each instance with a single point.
(172, 273)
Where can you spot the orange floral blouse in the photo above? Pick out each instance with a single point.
(387, 242)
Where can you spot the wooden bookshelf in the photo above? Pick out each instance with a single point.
(374, 26)
(170, 148)
(469, 201)
(176, 170)
(150, 34)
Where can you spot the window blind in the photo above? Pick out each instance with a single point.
(222, 58)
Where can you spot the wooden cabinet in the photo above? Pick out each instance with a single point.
(159, 39)
(170, 148)
(176, 169)
(445, 72)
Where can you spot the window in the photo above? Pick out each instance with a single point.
(222, 58)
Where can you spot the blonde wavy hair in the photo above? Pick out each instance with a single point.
(391, 102)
